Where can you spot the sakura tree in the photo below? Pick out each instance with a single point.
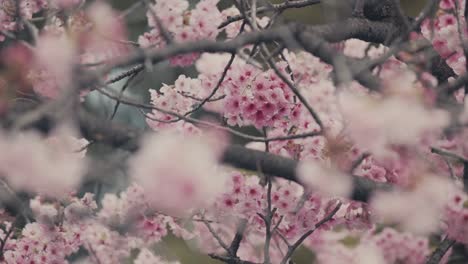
(354, 132)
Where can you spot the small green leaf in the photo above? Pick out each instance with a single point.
(465, 204)
(351, 241)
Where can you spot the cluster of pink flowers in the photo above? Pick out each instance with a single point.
(257, 98)
(251, 96)
(8, 20)
(182, 24)
(62, 228)
(444, 32)
(456, 217)
(173, 98)
(128, 221)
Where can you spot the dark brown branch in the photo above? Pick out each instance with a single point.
(448, 154)
(236, 241)
(235, 155)
(314, 39)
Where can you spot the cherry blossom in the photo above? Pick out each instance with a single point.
(169, 183)
(51, 167)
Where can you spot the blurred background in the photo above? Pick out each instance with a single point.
(163, 73)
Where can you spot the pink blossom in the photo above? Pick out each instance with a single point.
(50, 167)
(108, 31)
(147, 257)
(321, 178)
(44, 212)
(416, 210)
(55, 56)
(456, 217)
(183, 25)
(176, 181)
(80, 209)
(375, 124)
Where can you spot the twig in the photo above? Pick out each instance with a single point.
(296, 92)
(4, 240)
(294, 246)
(235, 244)
(162, 29)
(358, 162)
(440, 251)
(130, 9)
(215, 235)
(449, 154)
(218, 85)
(125, 74)
(268, 218)
(124, 87)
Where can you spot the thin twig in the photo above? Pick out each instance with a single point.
(215, 235)
(218, 85)
(440, 251)
(296, 92)
(5, 238)
(449, 154)
(358, 162)
(235, 244)
(294, 246)
(161, 28)
(124, 87)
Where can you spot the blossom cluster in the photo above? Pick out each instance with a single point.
(129, 222)
(182, 25)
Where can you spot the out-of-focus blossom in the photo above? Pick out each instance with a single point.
(55, 57)
(417, 210)
(326, 180)
(176, 172)
(17, 59)
(147, 257)
(360, 49)
(45, 213)
(50, 167)
(376, 124)
(65, 4)
(106, 39)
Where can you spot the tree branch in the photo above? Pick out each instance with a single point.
(440, 251)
